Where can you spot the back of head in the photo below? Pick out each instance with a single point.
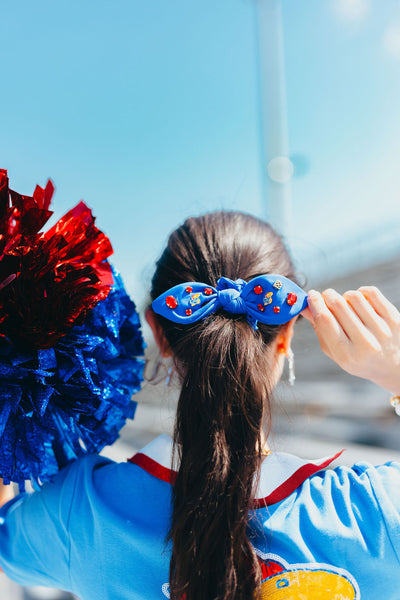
(226, 368)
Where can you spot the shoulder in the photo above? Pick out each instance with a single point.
(97, 485)
(350, 507)
(364, 498)
(362, 477)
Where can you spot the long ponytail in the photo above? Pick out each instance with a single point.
(223, 405)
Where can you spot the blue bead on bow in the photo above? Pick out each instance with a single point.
(272, 299)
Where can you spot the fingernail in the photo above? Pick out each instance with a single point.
(330, 293)
(312, 297)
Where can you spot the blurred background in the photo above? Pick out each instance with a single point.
(154, 111)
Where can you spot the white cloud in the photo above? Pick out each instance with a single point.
(391, 40)
(352, 10)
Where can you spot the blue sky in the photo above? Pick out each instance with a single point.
(343, 89)
(149, 111)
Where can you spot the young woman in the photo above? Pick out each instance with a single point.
(212, 514)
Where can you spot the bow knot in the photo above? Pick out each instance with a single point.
(229, 295)
(231, 301)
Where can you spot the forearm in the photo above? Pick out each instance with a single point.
(6, 492)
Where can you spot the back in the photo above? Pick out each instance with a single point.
(326, 533)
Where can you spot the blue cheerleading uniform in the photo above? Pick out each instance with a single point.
(99, 529)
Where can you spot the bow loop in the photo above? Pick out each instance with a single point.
(224, 283)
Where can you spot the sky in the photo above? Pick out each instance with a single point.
(150, 112)
(343, 89)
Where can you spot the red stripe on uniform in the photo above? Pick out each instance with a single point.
(280, 493)
(153, 467)
(293, 482)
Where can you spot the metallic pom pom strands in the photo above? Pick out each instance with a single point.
(58, 403)
(191, 301)
(70, 341)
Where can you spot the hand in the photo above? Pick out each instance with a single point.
(6, 492)
(360, 331)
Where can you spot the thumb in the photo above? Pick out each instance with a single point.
(314, 299)
(307, 314)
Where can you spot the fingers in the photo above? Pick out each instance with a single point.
(367, 314)
(360, 331)
(381, 304)
(327, 327)
(361, 315)
(349, 320)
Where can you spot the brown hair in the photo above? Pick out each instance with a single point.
(225, 398)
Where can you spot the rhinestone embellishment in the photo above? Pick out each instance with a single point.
(195, 299)
(171, 302)
(268, 298)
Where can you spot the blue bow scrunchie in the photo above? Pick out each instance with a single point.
(272, 299)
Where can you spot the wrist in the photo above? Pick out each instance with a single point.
(389, 382)
(392, 387)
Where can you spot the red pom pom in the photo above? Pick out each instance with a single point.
(48, 281)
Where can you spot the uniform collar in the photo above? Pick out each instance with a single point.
(281, 473)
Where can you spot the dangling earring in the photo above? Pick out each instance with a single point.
(154, 376)
(160, 372)
(292, 376)
(170, 372)
(169, 365)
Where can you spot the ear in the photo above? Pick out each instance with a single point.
(285, 337)
(158, 333)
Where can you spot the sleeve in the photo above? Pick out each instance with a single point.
(385, 485)
(355, 514)
(34, 531)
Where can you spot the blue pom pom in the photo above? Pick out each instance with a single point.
(58, 403)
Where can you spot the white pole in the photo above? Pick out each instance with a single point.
(276, 168)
